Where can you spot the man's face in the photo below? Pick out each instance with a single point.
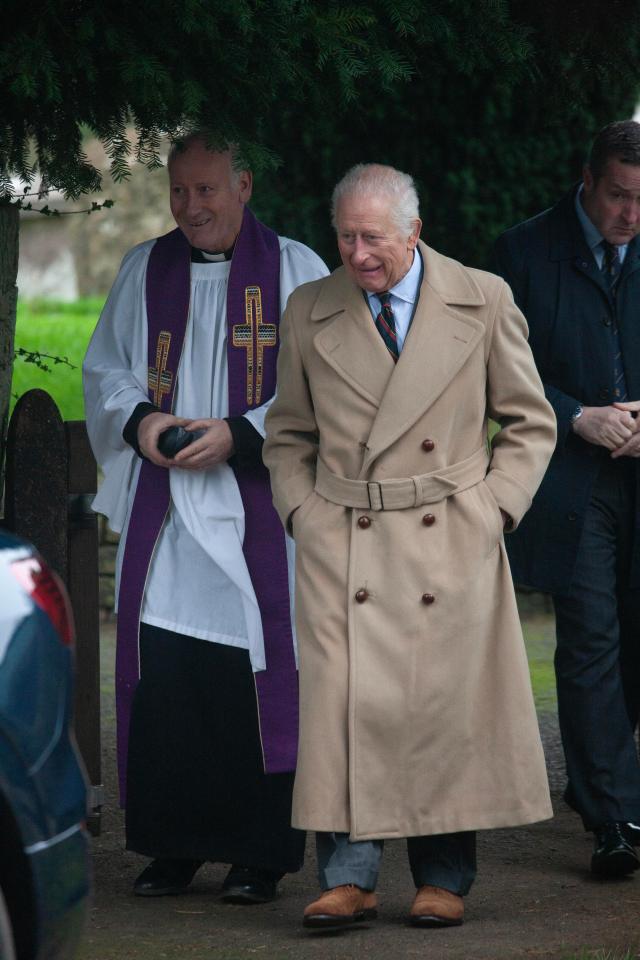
(613, 203)
(374, 251)
(207, 197)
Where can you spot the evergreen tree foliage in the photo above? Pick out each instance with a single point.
(494, 124)
(490, 104)
(67, 66)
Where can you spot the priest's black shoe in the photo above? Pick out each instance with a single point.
(613, 854)
(250, 885)
(164, 877)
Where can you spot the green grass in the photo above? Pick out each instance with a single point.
(59, 330)
(539, 638)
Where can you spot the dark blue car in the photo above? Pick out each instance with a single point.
(44, 855)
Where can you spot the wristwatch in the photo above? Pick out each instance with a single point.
(577, 413)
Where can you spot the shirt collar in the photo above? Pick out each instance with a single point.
(406, 288)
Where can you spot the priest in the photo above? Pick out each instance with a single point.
(206, 667)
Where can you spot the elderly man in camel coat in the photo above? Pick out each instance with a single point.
(417, 718)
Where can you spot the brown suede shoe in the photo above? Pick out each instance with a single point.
(340, 907)
(436, 907)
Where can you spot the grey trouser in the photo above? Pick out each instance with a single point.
(445, 860)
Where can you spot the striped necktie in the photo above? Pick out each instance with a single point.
(611, 268)
(386, 324)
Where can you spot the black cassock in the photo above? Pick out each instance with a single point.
(196, 788)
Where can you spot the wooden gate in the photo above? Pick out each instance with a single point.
(51, 476)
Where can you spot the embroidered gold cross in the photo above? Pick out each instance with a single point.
(243, 336)
(159, 378)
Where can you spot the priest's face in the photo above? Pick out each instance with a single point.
(208, 197)
(375, 251)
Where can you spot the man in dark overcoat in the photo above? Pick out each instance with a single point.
(575, 273)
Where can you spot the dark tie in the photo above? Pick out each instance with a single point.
(386, 325)
(611, 268)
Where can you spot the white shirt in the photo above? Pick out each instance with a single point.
(403, 299)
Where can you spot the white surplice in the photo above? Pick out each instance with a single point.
(198, 582)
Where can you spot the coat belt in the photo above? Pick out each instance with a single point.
(399, 494)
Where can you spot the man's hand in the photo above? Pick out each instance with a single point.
(214, 447)
(632, 446)
(149, 430)
(611, 427)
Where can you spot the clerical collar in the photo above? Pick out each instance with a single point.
(207, 256)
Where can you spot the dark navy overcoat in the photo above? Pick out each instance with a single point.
(558, 286)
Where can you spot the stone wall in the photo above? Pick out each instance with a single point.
(76, 254)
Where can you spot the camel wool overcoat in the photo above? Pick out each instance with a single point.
(416, 710)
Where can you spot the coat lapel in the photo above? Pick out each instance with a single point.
(350, 343)
(439, 342)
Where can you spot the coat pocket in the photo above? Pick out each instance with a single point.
(300, 516)
(491, 515)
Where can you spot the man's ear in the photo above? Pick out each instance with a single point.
(415, 234)
(245, 186)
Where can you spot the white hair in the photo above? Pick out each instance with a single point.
(375, 179)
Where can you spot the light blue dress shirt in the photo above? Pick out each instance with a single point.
(403, 298)
(592, 235)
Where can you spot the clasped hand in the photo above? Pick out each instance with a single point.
(614, 427)
(213, 447)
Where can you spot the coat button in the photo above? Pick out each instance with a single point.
(428, 598)
(361, 596)
(604, 393)
(428, 519)
(428, 445)
(364, 523)
(607, 321)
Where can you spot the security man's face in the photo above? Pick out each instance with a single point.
(375, 253)
(613, 203)
(207, 197)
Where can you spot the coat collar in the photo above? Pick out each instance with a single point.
(451, 281)
(438, 343)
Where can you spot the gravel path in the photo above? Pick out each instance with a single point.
(534, 898)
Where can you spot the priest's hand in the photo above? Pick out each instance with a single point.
(149, 430)
(213, 447)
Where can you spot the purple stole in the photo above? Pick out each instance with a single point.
(253, 317)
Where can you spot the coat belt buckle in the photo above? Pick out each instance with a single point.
(374, 492)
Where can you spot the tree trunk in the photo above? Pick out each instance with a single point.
(9, 222)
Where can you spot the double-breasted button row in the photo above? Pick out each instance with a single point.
(362, 595)
(365, 522)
